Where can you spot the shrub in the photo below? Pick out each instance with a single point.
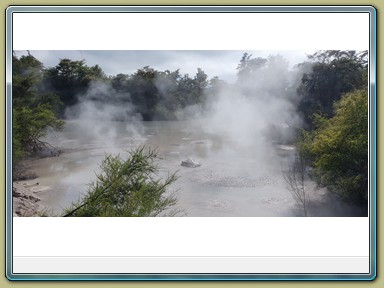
(127, 188)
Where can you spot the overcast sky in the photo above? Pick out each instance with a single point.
(214, 63)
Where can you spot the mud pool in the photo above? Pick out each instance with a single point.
(236, 177)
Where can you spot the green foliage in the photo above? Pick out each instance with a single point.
(159, 95)
(155, 95)
(304, 144)
(127, 188)
(144, 92)
(340, 147)
(34, 111)
(70, 78)
(333, 74)
(31, 124)
(17, 148)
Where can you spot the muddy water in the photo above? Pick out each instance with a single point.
(236, 177)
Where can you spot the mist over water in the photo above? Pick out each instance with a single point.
(240, 136)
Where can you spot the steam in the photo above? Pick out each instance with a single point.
(249, 116)
(104, 116)
(254, 114)
(102, 103)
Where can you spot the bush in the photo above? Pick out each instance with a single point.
(127, 188)
(340, 148)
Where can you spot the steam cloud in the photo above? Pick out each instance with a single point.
(97, 113)
(254, 113)
(249, 116)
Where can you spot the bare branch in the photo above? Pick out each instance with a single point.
(294, 176)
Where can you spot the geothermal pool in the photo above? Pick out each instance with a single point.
(238, 176)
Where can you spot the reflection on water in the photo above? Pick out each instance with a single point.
(236, 178)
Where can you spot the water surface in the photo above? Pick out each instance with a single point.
(237, 177)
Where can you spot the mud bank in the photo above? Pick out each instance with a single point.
(26, 202)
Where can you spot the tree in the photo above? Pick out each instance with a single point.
(70, 78)
(120, 82)
(144, 92)
(249, 66)
(295, 177)
(200, 84)
(264, 78)
(127, 188)
(32, 124)
(159, 95)
(186, 86)
(333, 74)
(169, 99)
(340, 147)
(33, 111)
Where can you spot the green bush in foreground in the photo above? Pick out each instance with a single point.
(127, 188)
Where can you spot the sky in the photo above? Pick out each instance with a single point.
(220, 63)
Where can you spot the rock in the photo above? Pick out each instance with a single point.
(24, 203)
(199, 142)
(190, 163)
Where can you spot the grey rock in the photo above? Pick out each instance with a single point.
(190, 163)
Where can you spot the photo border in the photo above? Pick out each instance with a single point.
(194, 9)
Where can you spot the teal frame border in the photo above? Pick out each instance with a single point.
(196, 9)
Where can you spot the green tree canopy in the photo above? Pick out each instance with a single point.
(159, 95)
(334, 73)
(34, 112)
(340, 147)
(70, 78)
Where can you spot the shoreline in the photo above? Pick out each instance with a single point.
(25, 201)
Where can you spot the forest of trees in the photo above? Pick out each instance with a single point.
(329, 91)
(41, 95)
(334, 105)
